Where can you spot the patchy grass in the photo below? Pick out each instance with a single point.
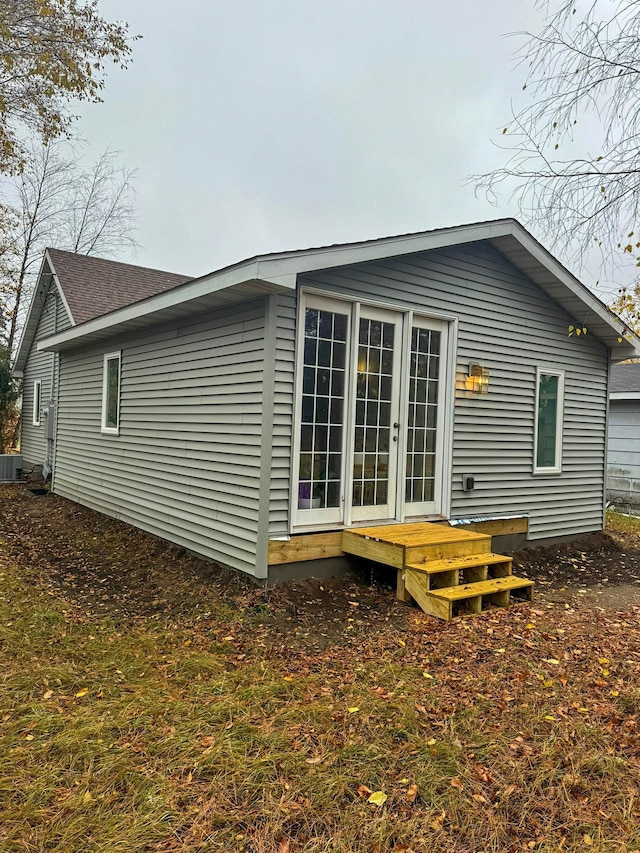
(618, 522)
(513, 731)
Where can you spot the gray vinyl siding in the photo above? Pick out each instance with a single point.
(186, 463)
(45, 367)
(510, 326)
(283, 414)
(623, 475)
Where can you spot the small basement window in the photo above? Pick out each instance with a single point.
(548, 423)
(37, 401)
(111, 393)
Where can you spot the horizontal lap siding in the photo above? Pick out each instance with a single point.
(623, 475)
(283, 414)
(186, 464)
(43, 366)
(510, 326)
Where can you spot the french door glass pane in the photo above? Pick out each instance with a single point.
(373, 413)
(323, 382)
(424, 372)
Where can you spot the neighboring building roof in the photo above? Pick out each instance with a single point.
(625, 382)
(90, 287)
(278, 272)
(96, 286)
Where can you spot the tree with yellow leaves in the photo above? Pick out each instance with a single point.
(52, 52)
(627, 306)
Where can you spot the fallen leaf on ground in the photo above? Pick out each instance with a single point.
(379, 798)
(438, 820)
(411, 793)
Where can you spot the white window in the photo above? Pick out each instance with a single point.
(37, 401)
(548, 421)
(111, 393)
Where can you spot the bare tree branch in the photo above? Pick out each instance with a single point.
(58, 201)
(574, 149)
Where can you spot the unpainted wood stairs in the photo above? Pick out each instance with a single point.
(447, 571)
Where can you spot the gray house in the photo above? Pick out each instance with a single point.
(254, 414)
(623, 469)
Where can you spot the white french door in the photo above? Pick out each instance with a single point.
(374, 415)
(371, 409)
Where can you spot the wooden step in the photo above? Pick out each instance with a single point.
(473, 543)
(434, 566)
(456, 593)
(474, 596)
(395, 545)
(464, 570)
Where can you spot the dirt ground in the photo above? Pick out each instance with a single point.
(104, 567)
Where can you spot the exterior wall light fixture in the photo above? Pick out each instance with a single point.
(478, 379)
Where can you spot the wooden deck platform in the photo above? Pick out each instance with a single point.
(446, 570)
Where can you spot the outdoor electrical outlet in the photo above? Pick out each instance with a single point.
(468, 482)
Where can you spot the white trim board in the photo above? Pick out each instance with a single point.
(624, 395)
(279, 271)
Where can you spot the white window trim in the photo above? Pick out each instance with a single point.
(106, 359)
(557, 468)
(37, 402)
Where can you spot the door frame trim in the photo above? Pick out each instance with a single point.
(407, 310)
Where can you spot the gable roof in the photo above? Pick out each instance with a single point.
(90, 287)
(279, 272)
(96, 286)
(625, 382)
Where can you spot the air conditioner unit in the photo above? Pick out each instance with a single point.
(10, 467)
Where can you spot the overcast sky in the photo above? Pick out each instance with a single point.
(266, 125)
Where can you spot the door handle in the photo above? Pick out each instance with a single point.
(396, 426)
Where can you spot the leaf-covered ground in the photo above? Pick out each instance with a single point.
(149, 702)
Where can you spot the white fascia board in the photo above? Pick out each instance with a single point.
(183, 293)
(312, 260)
(282, 270)
(31, 322)
(60, 290)
(579, 290)
(625, 395)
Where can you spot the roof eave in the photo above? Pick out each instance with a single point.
(32, 320)
(199, 294)
(280, 271)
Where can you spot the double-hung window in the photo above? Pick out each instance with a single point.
(37, 402)
(111, 393)
(548, 421)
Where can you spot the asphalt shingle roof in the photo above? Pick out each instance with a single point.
(625, 377)
(96, 286)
